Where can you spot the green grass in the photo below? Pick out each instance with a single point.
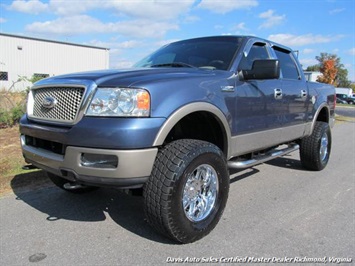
(341, 119)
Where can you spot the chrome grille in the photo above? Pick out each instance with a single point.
(67, 106)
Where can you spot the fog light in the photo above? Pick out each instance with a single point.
(99, 160)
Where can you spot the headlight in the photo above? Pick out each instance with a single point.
(120, 102)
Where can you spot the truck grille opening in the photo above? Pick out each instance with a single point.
(52, 146)
(68, 102)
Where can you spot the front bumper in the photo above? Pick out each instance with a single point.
(132, 170)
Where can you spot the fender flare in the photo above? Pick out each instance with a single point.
(186, 110)
(316, 114)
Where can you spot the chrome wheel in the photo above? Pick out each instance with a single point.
(200, 193)
(323, 151)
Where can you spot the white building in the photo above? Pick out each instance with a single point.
(27, 57)
(312, 75)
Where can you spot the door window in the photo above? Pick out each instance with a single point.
(287, 64)
(257, 51)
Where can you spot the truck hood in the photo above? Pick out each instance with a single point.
(131, 77)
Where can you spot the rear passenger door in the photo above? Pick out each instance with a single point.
(295, 96)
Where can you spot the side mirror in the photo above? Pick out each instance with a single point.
(263, 69)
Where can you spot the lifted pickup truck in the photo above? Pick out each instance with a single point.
(175, 123)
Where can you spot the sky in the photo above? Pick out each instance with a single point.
(132, 29)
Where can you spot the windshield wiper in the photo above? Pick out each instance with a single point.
(173, 64)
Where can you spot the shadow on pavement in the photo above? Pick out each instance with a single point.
(125, 210)
(239, 174)
(287, 162)
(284, 162)
(30, 181)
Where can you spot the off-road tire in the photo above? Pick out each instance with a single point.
(314, 152)
(166, 188)
(60, 182)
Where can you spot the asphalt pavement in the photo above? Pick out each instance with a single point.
(348, 111)
(276, 212)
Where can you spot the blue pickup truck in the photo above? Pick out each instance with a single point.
(174, 125)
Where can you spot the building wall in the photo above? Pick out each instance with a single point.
(312, 76)
(22, 56)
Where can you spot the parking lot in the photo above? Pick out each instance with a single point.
(276, 212)
(348, 111)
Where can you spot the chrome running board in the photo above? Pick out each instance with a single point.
(263, 158)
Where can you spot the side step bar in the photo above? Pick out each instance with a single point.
(263, 158)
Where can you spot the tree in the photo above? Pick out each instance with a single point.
(352, 85)
(342, 78)
(314, 68)
(329, 72)
(326, 62)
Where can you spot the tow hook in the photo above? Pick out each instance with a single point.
(73, 186)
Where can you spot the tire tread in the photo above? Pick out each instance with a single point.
(158, 188)
(309, 150)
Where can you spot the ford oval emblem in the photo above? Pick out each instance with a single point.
(49, 102)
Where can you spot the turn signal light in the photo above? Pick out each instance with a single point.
(143, 100)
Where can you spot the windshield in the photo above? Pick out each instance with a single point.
(210, 52)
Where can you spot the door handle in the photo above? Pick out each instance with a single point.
(278, 94)
(303, 94)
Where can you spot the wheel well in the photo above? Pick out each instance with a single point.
(323, 115)
(202, 126)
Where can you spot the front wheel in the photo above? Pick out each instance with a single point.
(187, 191)
(315, 149)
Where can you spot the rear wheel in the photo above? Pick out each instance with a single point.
(315, 149)
(186, 194)
(69, 186)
